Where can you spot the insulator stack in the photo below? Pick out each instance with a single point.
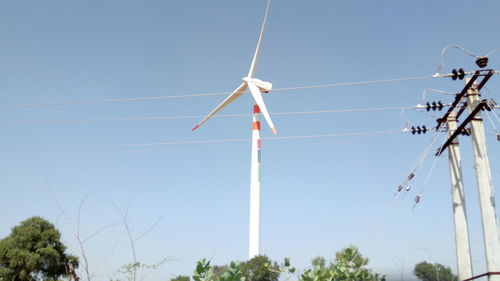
(460, 74)
(439, 106)
(482, 62)
(419, 130)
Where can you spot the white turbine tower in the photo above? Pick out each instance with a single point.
(256, 86)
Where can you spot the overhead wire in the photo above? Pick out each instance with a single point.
(488, 92)
(210, 94)
(492, 52)
(420, 105)
(424, 93)
(105, 146)
(410, 214)
(493, 111)
(423, 155)
(394, 204)
(431, 171)
(421, 158)
(225, 148)
(493, 107)
(419, 194)
(492, 123)
(441, 65)
(496, 115)
(389, 206)
(159, 118)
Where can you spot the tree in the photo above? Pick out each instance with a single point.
(318, 262)
(260, 268)
(433, 272)
(233, 273)
(349, 265)
(33, 251)
(203, 271)
(180, 278)
(218, 271)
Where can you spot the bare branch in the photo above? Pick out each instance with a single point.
(124, 216)
(130, 238)
(110, 252)
(101, 230)
(80, 241)
(149, 230)
(77, 233)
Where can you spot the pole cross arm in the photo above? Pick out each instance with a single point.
(487, 75)
(482, 275)
(482, 105)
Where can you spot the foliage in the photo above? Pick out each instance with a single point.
(180, 278)
(129, 270)
(261, 268)
(203, 271)
(33, 251)
(233, 273)
(218, 271)
(287, 267)
(318, 262)
(349, 265)
(433, 272)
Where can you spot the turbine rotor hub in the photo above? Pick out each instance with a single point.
(263, 86)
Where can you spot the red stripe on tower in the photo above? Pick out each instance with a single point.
(256, 109)
(256, 125)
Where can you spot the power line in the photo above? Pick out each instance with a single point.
(441, 65)
(213, 94)
(159, 118)
(492, 123)
(360, 82)
(51, 148)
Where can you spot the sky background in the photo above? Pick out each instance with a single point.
(319, 194)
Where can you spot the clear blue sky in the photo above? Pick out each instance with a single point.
(318, 194)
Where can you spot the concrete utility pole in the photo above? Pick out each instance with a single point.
(462, 242)
(485, 187)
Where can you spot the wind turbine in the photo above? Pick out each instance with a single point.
(256, 86)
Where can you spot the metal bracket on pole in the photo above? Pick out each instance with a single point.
(487, 73)
(482, 275)
(482, 105)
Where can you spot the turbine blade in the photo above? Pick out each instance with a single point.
(257, 50)
(257, 96)
(233, 96)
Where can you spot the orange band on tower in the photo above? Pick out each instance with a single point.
(256, 109)
(256, 125)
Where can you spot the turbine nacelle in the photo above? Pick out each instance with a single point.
(254, 85)
(263, 86)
